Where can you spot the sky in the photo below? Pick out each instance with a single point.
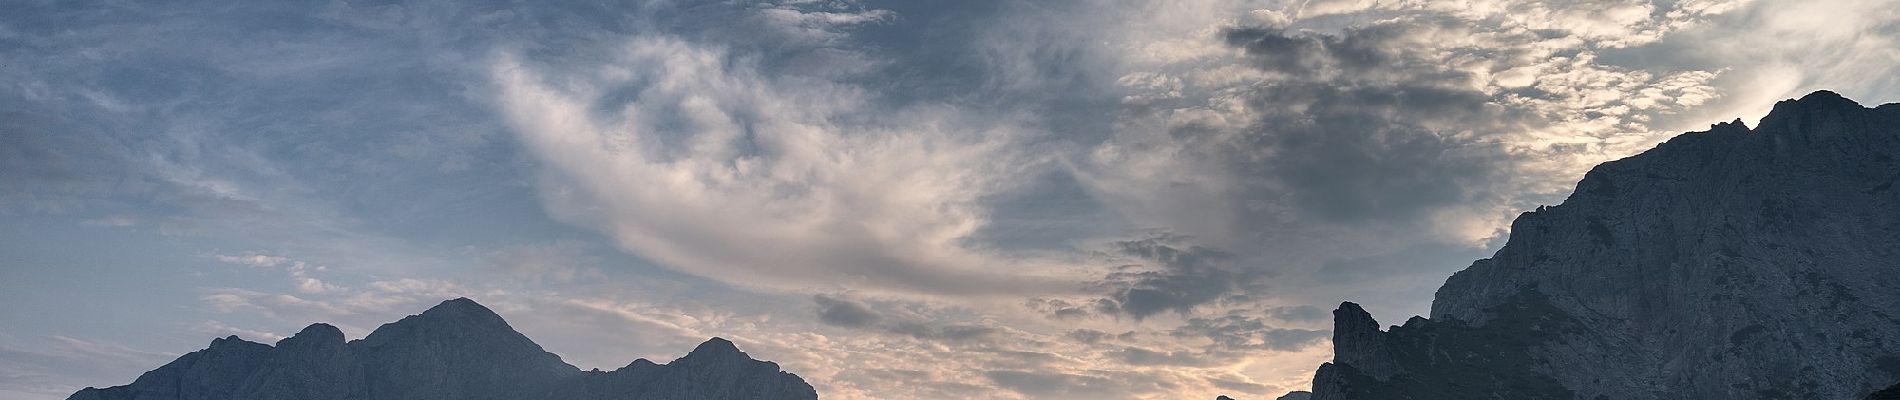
(893, 199)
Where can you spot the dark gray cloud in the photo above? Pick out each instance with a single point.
(956, 333)
(1245, 387)
(1147, 357)
(1182, 277)
(921, 383)
(850, 313)
(1243, 333)
(1089, 336)
(1369, 127)
(1066, 309)
(1059, 385)
(844, 312)
(1299, 313)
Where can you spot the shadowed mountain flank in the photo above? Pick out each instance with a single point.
(1733, 263)
(455, 350)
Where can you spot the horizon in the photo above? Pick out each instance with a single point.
(987, 199)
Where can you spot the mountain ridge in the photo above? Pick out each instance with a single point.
(458, 349)
(1727, 263)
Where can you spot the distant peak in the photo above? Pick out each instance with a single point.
(1824, 95)
(461, 307)
(462, 303)
(1819, 99)
(1350, 318)
(226, 340)
(1347, 308)
(317, 332)
(1822, 113)
(1736, 125)
(233, 342)
(460, 315)
(716, 345)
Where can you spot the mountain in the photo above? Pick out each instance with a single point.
(457, 350)
(1733, 263)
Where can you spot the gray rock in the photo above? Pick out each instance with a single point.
(1733, 263)
(456, 350)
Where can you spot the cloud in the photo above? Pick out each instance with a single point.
(844, 312)
(689, 156)
(560, 261)
(1300, 314)
(1185, 276)
(1239, 333)
(1321, 138)
(1145, 357)
(955, 333)
(1089, 336)
(945, 175)
(52, 367)
(1059, 385)
(220, 329)
(253, 260)
(848, 313)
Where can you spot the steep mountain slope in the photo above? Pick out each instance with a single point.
(456, 350)
(1726, 264)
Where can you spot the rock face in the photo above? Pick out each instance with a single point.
(1734, 263)
(454, 351)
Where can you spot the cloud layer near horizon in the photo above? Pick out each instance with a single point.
(986, 199)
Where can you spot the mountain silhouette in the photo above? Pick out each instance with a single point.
(456, 350)
(1733, 263)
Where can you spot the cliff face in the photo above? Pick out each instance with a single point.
(456, 350)
(1732, 263)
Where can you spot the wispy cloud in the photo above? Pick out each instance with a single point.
(688, 155)
(1046, 200)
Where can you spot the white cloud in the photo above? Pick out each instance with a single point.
(784, 152)
(254, 260)
(687, 155)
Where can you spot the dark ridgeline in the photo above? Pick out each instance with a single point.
(457, 350)
(1726, 264)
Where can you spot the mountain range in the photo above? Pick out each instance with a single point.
(457, 350)
(1733, 263)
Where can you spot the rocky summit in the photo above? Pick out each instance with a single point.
(1733, 263)
(458, 350)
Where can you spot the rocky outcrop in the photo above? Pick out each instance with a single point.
(1733, 263)
(456, 350)
(1296, 395)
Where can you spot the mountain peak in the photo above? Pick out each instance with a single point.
(455, 350)
(717, 347)
(1819, 100)
(461, 321)
(229, 341)
(1819, 114)
(1665, 261)
(459, 305)
(1357, 340)
(462, 312)
(1825, 95)
(315, 333)
(1350, 317)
